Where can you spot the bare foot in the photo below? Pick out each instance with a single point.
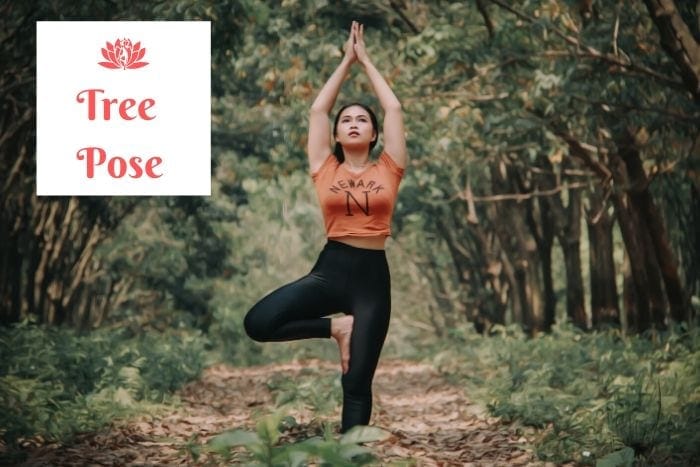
(341, 331)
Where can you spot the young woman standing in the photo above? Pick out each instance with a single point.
(357, 198)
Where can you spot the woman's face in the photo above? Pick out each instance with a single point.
(355, 128)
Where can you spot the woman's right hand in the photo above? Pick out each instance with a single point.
(318, 146)
(349, 47)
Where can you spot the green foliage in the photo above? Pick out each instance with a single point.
(588, 396)
(322, 393)
(175, 246)
(151, 366)
(622, 458)
(54, 382)
(262, 447)
(634, 415)
(283, 215)
(474, 98)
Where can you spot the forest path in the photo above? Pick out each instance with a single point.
(432, 421)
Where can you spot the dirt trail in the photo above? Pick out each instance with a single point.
(432, 421)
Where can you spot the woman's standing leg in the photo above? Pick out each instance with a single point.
(343, 280)
(371, 310)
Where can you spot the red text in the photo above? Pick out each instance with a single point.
(124, 107)
(118, 167)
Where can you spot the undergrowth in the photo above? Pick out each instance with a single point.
(55, 383)
(587, 397)
(599, 398)
(313, 389)
(267, 446)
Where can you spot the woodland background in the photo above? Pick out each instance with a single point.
(553, 187)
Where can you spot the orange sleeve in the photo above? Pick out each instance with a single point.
(324, 166)
(386, 160)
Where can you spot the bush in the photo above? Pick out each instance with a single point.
(55, 382)
(588, 396)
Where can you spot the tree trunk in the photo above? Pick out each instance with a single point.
(571, 245)
(639, 316)
(678, 41)
(447, 307)
(694, 274)
(664, 259)
(473, 259)
(566, 223)
(493, 301)
(542, 230)
(520, 246)
(604, 300)
(629, 298)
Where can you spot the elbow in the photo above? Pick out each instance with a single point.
(318, 110)
(393, 107)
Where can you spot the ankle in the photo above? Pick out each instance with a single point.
(341, 325)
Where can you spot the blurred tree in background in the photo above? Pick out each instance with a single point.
(554, 146)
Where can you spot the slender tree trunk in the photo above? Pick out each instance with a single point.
(521, 247)
(694, 267)
(566, 222)
(604, 300)
(664, 259)
(460, 261)
(640, 314)
(571, 244)
(473, 260)
(446, 307)
(629, 298)
(550, 300)
(543, 232)
(657, 295)
(513, 297)
(10, 278)
(504, 238)
(493, 305)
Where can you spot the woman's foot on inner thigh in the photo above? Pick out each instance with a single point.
(341, 331)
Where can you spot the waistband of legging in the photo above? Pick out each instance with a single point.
(340, 246)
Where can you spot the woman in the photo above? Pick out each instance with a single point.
(357, 199)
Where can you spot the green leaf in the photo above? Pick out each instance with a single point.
(364, 434)
(287, 422)
(285, 397)
(222, 442)
(622, 458)
(268, 429)
(349, 451)
(297, 457)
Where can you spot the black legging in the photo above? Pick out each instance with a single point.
(345, 279)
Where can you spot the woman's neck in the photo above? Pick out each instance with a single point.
(356, 159)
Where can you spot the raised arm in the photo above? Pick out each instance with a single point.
(319, 142)
(394, 132)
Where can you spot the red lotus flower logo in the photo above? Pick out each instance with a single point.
(123, 54)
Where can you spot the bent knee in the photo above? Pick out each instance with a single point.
(255, 327)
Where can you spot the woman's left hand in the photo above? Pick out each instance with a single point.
(359, 46)
(349, 46)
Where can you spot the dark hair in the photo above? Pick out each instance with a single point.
(338, 150)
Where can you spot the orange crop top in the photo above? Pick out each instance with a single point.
(358, 204)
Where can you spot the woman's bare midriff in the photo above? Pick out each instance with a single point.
(369, 243)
